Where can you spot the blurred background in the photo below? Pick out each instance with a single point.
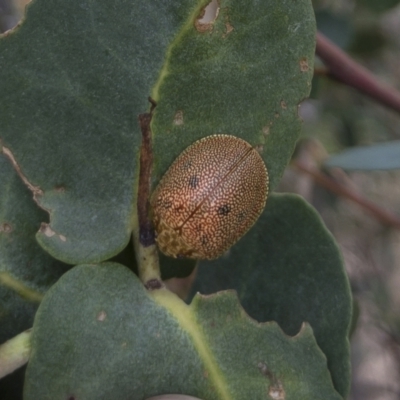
(337, 117)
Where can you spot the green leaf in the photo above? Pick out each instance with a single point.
(382, 156)
(288, 269)
(245, 76)
(26, 270)
(99, 334)
(76, 75)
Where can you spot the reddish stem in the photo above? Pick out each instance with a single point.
(146, 231)
(385, 217)
(347, 71)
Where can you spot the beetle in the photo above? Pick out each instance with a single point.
(211, 195)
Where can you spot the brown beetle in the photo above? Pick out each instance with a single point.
(209, 198)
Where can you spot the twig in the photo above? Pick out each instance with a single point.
(144, 236)
(15, 353)
(385, 217)
(146, 231)
(346, 70)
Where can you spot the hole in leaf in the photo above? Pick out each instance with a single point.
(207, 17)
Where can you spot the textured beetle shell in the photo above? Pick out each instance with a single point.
(209, 198)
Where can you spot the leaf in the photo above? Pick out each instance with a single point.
(245, 75)
(382, 156)
(288, 269)
(26, 270)
(99, 334)
(76, 75)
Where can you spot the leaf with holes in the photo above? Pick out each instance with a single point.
(141, 344)
(76, 75)
(26, 270)
(288, 269)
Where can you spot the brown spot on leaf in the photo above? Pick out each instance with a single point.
(266, 130)
(46, 230)
(178, 118)
(5, 227)
(304, 64)
(259, 148)
(60, 189)
(101, 316)
(205, 21)
(275, 389)
(283, 105)
(229, 28)
(277, 392)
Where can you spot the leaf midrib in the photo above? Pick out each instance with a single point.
(187, 320)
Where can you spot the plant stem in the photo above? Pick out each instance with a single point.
(144, 237)
(385, 217)
(344, 69)
(15, 353)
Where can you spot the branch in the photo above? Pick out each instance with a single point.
(342, 68)
(385, 217)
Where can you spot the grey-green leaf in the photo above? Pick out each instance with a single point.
(288, 269)
(384, 156)
(76, 75)
(245, 75)
(99, 334)
(26, 270)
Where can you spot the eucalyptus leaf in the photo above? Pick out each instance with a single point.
(98, 334)
(384, 156)
(76, 75)
(288, 269)
(26, 270)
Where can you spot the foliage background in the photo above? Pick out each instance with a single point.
(335, 118)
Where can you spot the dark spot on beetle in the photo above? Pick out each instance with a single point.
(204, 240)
(194, 182)
(224, 210)
(179, 208)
